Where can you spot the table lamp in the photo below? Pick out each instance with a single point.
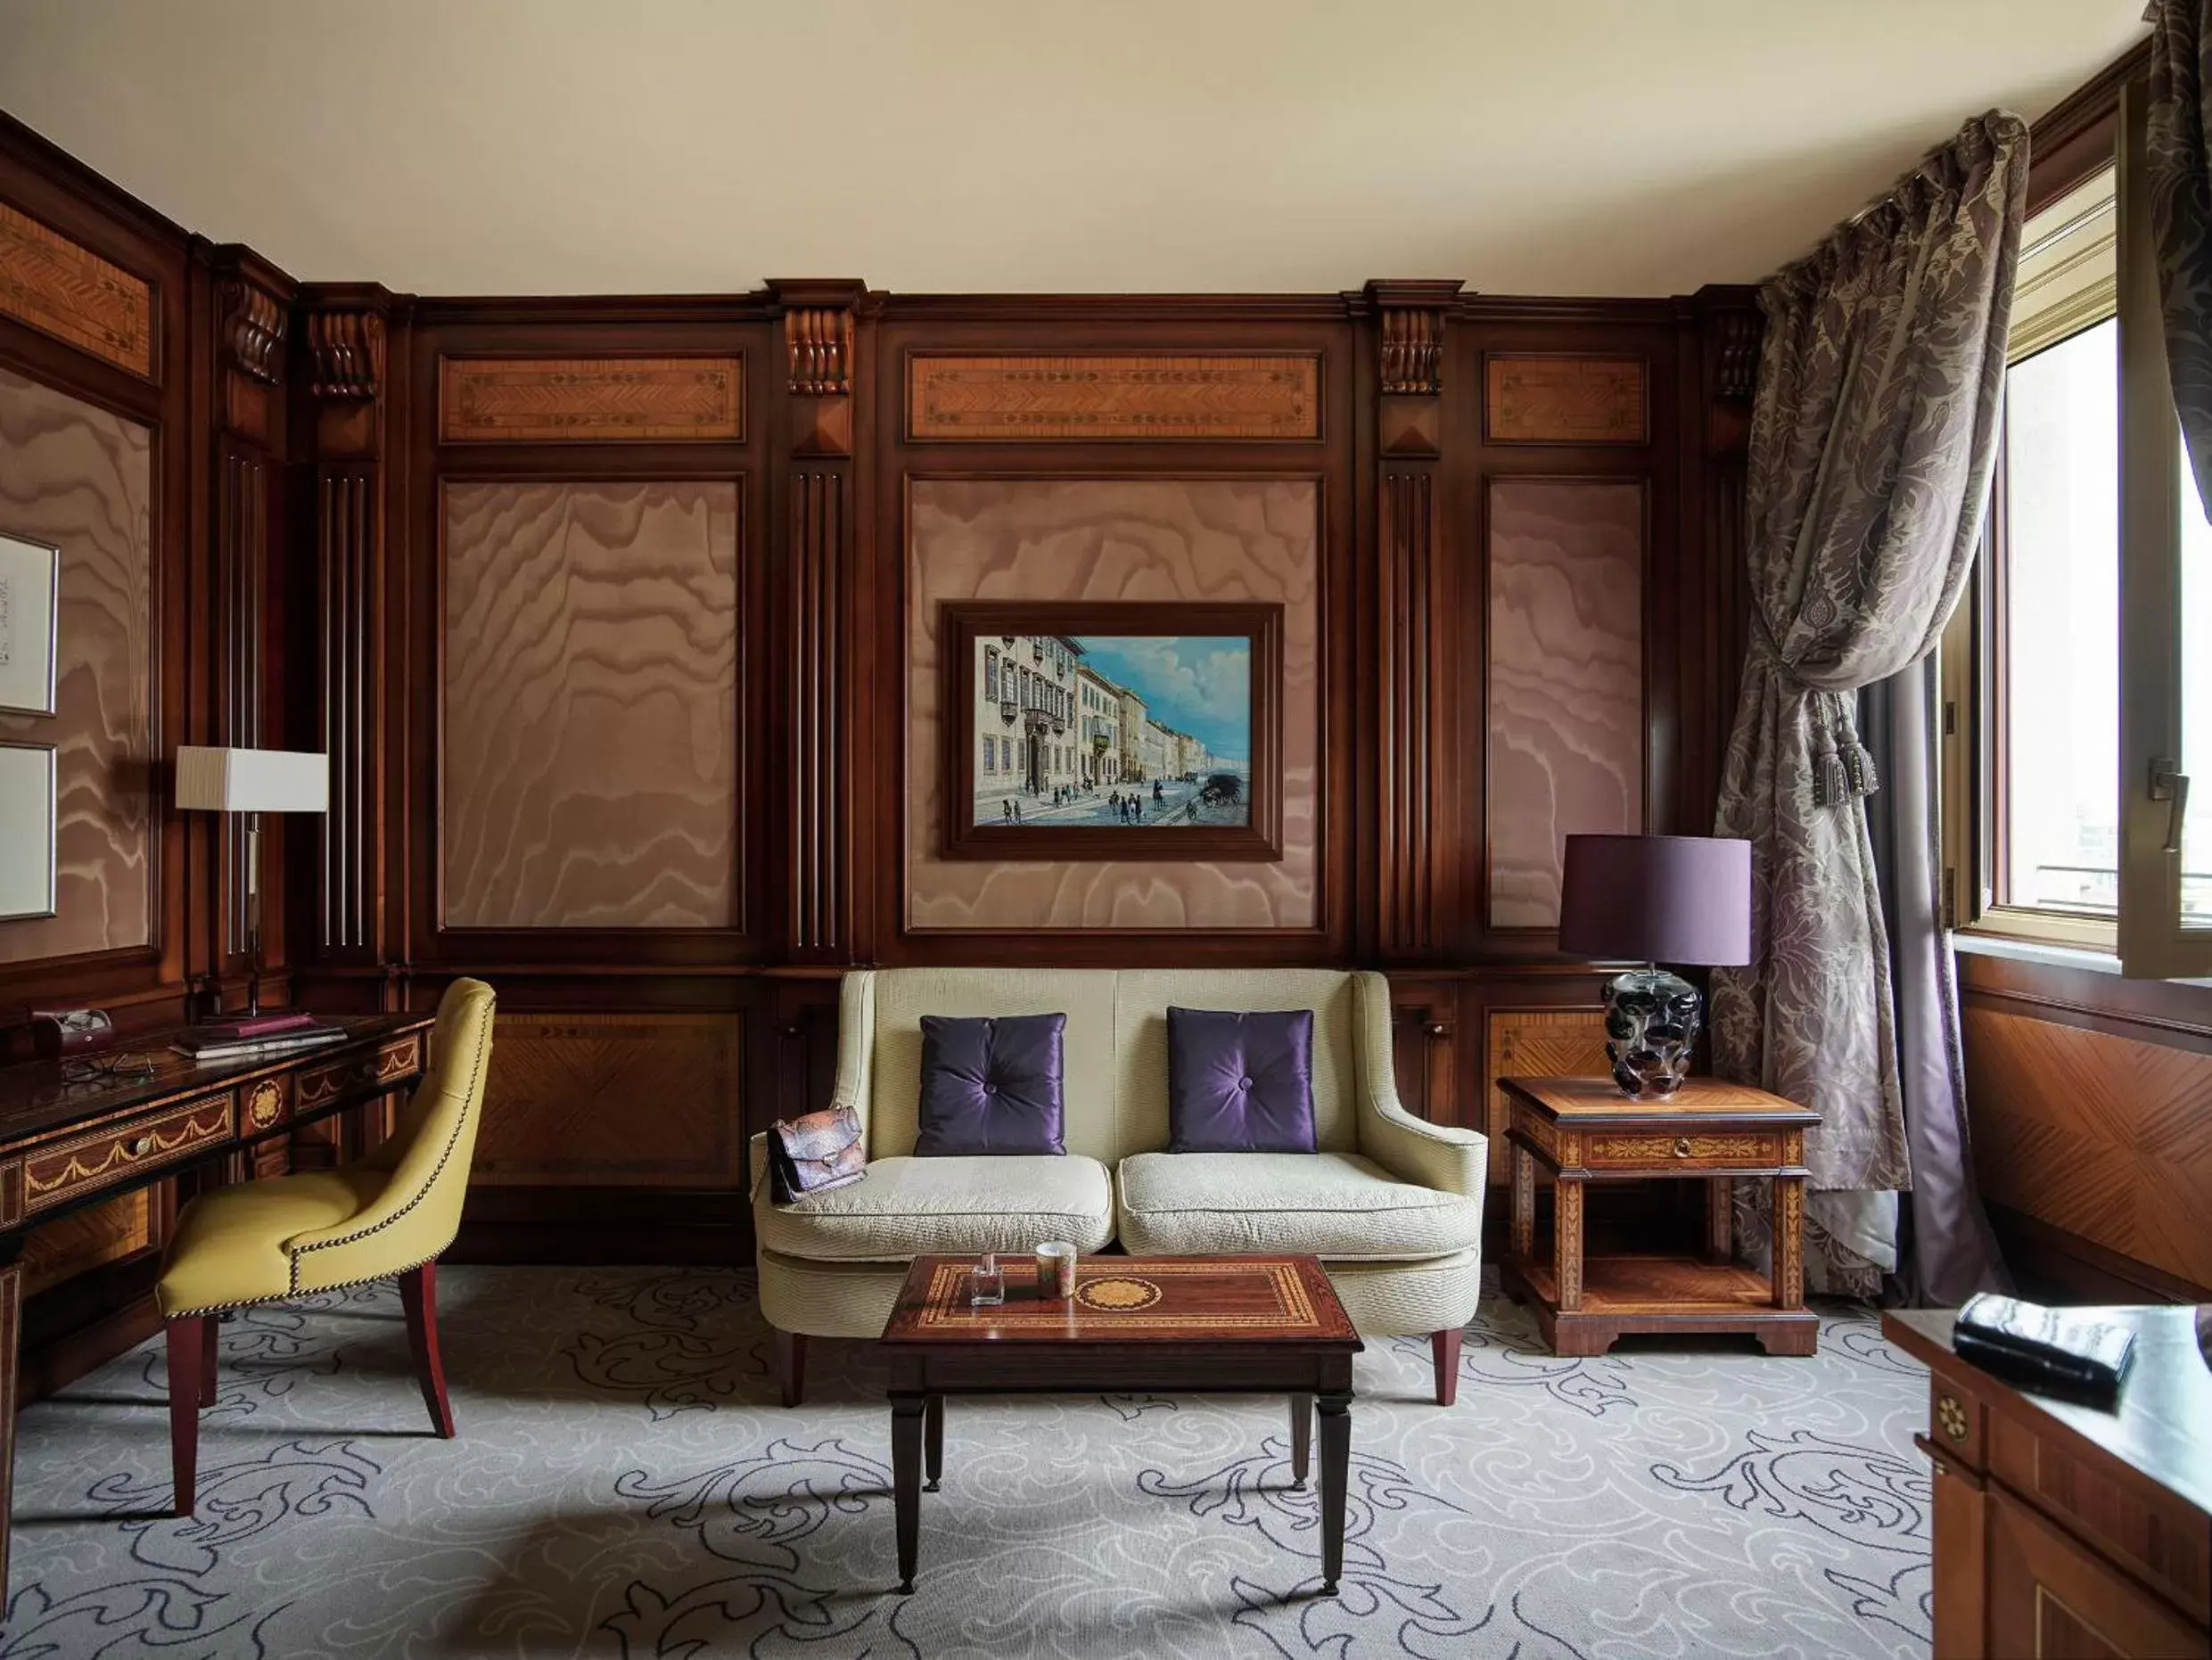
(1672, 899)
(253, 781)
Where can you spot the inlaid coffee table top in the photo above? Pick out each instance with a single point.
(1598, 1102)
(1128, 1299)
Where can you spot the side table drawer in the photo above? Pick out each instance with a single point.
(392, 1064)
(1695, 1150)
(87, 1163)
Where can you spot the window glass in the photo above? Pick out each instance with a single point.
(2196, 756)
(2059, 660)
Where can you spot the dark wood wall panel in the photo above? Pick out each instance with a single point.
(589, 723)
(614, 1100)
(2090, 1100)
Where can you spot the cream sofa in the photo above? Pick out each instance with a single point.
(1391, 1204)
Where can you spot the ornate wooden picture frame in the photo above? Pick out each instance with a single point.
(1112, 730)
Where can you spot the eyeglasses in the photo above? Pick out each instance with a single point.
(122, 1066)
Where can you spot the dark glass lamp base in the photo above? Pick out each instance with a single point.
(1652, 1019)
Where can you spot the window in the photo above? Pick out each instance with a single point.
(991, 674)
(2072, 713)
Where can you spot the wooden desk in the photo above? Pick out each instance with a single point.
(65, 1145)
(2063, 1529)
(1584, 1129)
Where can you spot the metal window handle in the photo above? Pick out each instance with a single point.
(2169, 784)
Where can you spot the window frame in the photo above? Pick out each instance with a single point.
(2146, 935)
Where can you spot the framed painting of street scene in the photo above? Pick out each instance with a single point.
(1112, 730)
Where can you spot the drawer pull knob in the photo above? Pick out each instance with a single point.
(1682, 1146)
(142, 1147)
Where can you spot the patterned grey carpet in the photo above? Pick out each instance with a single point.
(624, 1485)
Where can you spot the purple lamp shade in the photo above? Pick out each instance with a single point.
(1658, 899)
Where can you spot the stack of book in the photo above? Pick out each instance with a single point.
(262, 1034)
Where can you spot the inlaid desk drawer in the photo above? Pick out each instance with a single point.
(1695, 1149)
(391, 1066)
(114, 1154)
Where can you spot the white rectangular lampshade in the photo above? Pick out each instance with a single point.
(252, 780)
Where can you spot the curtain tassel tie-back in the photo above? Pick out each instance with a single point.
(1843, 770)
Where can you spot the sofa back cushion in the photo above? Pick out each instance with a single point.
(902, 996)
(1141, 1000)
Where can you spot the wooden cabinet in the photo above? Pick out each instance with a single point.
(2064, 1531)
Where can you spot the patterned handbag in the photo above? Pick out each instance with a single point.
(814, 1154)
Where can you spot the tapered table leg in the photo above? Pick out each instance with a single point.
(907, 1412)
(933, 1440)
(1300, 1437)
(1336, 1478)
(11, 1342)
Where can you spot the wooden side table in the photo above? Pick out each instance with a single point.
(1584, 1129)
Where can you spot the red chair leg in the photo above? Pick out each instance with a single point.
(1444, 1345)
(791, 1366)
(418, 1294)
(188, 1338)
(211, 1343)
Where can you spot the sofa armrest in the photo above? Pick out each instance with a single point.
(1412, 1149)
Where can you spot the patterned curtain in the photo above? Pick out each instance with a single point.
(2179, 167)
(1872, 445)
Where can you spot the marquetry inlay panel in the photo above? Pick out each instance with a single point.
(563, 399)
(1535, 1043)
(614, 1100)
(1730, 1151)
(106, 1156)
(60, 288)
(1561, 399)
(1085, 400)
(2105, 1136)
(73, 1244)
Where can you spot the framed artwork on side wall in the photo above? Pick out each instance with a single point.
(1112, 730)
(30, 608)
(29, 790)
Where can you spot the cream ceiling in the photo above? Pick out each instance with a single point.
(592, 146)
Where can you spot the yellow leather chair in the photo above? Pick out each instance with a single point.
(388, 1214)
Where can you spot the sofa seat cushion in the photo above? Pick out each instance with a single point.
(908, 1207)
(1336, 1205)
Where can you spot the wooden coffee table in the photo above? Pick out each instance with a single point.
(1181, 1325)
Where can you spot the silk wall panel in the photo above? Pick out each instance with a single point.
(1113, 539)
(1566, 700)
(590, 700)
(80, 478)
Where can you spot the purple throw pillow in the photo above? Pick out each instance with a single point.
(1240, 1083)
(990, 1086)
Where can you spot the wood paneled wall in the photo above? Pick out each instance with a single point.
(616, 619)
(143, 400)
(2090, 1100)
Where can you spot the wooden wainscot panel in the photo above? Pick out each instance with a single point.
(1085, 400)
(2105, 1136)
(73, 1244)
(1546, 398)
(1535, 1043)
(614, 1100)
(60, 288)
(514, 400)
